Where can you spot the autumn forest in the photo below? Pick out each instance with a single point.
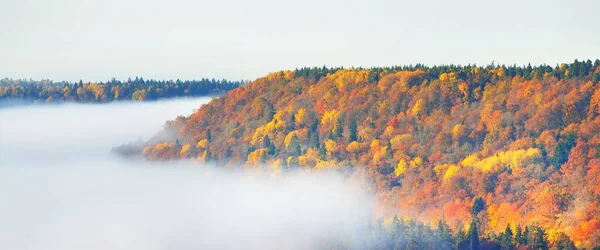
(494, 157)
(457, 157)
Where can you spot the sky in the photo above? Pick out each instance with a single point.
(240, 39)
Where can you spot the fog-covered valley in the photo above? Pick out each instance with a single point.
(60, 188)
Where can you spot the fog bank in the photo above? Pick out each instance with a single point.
(61, 189)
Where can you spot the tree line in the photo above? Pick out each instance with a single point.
(137, 89)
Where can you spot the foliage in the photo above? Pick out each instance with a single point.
(524, 140)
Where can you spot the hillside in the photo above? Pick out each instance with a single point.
(526, 140)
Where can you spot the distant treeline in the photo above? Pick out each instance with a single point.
(577, 69)
(102, 92)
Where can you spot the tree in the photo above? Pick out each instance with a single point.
(314, 140)
(322, 152)
(506, 238)
(443, 232)
(519, 239)
(337, 129)
(294, 146)
(539, 239)
(270, 111)
(473, 236)
(564, 242)
(462, 242)
(352, 131)
(478, 206)
(526, 236)
(595, 78)
(269, 145)
(562, 150)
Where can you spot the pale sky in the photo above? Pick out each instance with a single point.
(242, 39)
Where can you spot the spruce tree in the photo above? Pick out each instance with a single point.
(473, 236)
(294, 146)
(352, 131)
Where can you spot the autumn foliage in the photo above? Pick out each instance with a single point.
(524, 139)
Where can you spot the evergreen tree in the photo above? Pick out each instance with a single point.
(562, 150)
(314, 140)
(389, 153)
(294, 146)
(478, 206)
(519, 240)
(506, 238)
(473, 236)
(322, 152)
(462, 242)
(539, 239)
(564, 243)
(443, 232)
(269, 145)
(208, 136)
(338, 129)
(352, 131)
(526, 236)
(270, 112)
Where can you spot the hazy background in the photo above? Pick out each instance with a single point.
(61, 189)
(188, 39)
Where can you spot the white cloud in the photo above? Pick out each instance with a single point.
(61, 190)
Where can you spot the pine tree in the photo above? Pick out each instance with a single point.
(269, 145)
(562, 151)
(461, 240)
(595, 78)
(338, 132)
(478, 206)
(208, 136)
(519, 236)
(539, 239)
(389, 153)
(353, 131)
(443, 232)
(314, 140)
(322, 152)
(294, 146)
(473, 236)
(526, 236)
(506, 238)
(270, 111)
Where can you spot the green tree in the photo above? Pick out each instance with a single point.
(478, 206)
(506, 238)
(352, 131)
(473, 236)
(526, 236)
(519, 240)
(562, 150)
(322, 152)
(269, 145)
(539, 239)
(565, 243)
(294, 146)
(443, 232)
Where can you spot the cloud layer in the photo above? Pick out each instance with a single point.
(62, 190)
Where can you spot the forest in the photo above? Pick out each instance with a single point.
(113, 90)
(494, 156)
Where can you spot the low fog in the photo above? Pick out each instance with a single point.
(60, 188)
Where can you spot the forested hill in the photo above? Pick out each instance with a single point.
(113, 90)
(521, 143)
